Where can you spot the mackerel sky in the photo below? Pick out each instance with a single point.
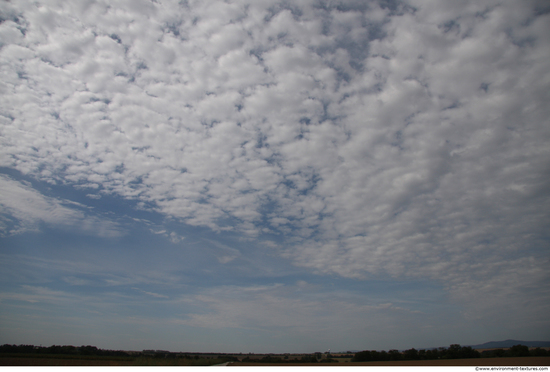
(274, 176)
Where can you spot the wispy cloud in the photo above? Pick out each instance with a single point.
(29, 208)
(152, 294)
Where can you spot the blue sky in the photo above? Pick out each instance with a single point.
(273, 176)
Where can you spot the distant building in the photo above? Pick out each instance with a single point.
(153, 352)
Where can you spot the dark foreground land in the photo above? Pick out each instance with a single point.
(99, 361)
(455, 355)
(56, 360)
(513, 361)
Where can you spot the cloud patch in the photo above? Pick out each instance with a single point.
(26, 209)
(372, 139)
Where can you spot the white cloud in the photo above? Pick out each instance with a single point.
(402, 143)
(172, 236)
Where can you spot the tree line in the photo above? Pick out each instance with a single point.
(515, 351)
(59, 350)
(309, 358)
(455, 351)
(76, 352)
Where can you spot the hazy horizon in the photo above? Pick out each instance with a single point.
(274, 176)
(497, 344)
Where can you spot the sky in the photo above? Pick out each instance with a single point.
(274, 176)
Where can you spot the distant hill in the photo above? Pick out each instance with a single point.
(510, 343)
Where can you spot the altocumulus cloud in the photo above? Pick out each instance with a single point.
(396, 140)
